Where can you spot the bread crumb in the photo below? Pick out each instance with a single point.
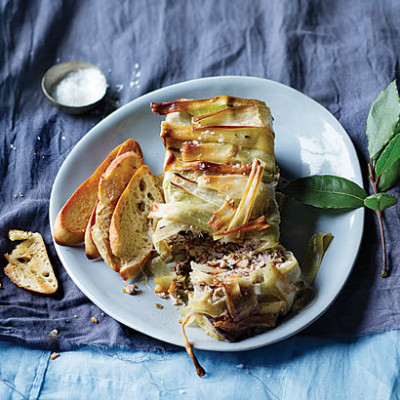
(53, 356)
(94, 320)
(159, 306)
(130, 289)
(21, 194)
(161, 291)
(53, 334)
(102, 314)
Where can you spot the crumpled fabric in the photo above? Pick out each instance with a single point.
(340, 53)
(301, 368)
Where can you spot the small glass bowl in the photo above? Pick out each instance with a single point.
(58, 72)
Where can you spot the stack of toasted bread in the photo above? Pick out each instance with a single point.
(108, 212)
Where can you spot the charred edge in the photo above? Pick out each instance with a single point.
(170, 161)
(237, 331)
(165, 107)
(258, 224)
(184, 178)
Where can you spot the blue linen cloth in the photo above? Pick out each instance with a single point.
(301, 368)
(340, 53)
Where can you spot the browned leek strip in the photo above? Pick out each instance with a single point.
(222, 154)
(256, 225)
(171, 131)
(240, 299)
(210, 152)
(241, 116)
(246, 204)
(208, 196)
(200, 107)
(287, 285)
(251, 137)
(234, 169)
(226, 185)
(172, 163)
(221, 218)
(199, 369)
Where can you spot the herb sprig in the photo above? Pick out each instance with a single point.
(328, 191)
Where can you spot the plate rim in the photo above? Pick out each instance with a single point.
(118, 114)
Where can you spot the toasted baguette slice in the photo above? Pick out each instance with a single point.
(130, 229)
(90, 247)
(28, 265)
(71, 221)
(112, 183)
(130, 145)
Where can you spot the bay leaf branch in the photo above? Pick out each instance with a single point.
(326, 191)
(382, 119)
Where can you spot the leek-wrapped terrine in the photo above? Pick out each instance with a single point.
(219, 226)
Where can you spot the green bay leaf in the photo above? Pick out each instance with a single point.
(389, 177)
(382, 119)
(326, 191)
(380, 201)
(389, 156)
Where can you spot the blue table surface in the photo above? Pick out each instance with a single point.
(298, 368)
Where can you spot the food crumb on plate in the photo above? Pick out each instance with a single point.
(130, 289)
(159, 306)
(94, 320)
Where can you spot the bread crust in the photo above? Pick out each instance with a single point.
(90, 247)
(71, 221)
(112, 184)
(130, 229)
(29, 265)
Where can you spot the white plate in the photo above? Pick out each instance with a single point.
(309, 140)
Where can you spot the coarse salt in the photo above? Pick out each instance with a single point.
(80, 88)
